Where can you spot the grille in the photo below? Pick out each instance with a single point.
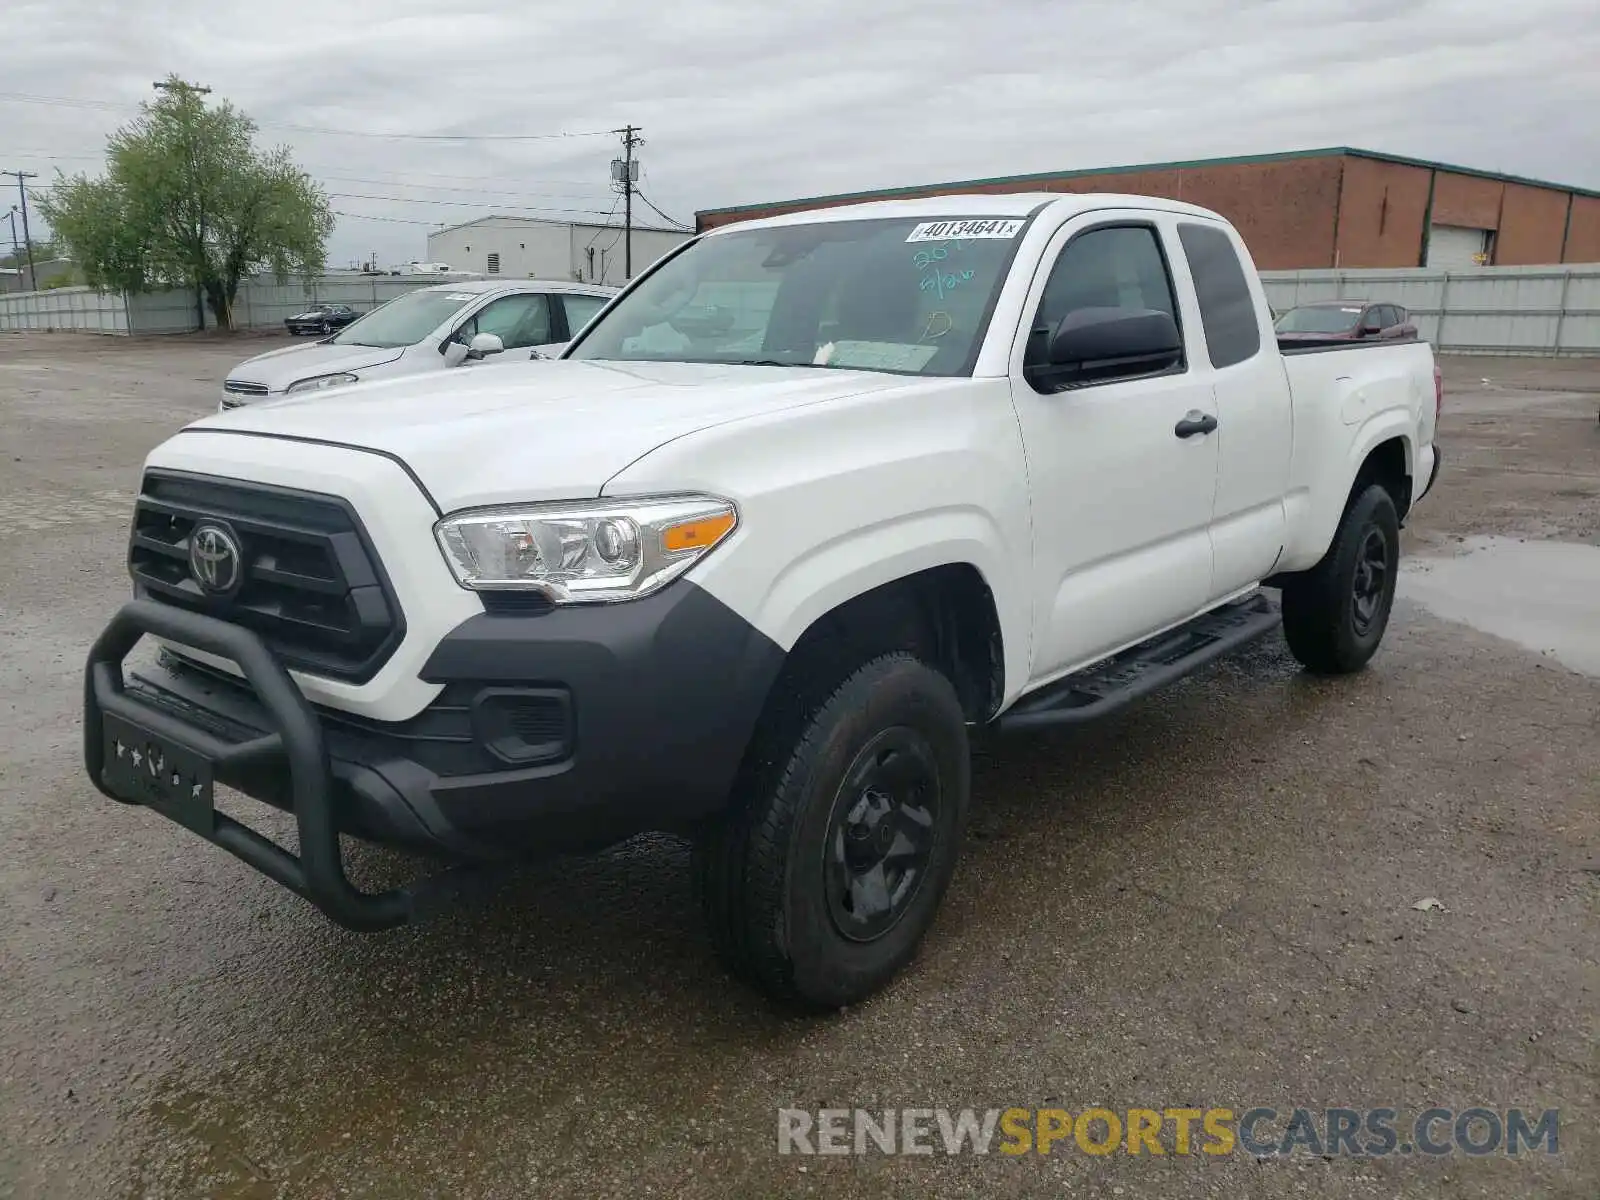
(312, 586)
(240, 388)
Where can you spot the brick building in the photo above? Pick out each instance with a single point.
(1322, 208)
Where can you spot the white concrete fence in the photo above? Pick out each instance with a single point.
(260, 304)
(1485, 310)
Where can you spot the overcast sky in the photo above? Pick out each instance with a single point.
(742, 101)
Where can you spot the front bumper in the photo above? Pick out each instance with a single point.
(643, 714)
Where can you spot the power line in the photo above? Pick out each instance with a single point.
(65, 101)
(47, 156)
(438, 137)
(388, 220)
(119, 106)
(397, 179)
(669, 220)
(434, 187)
(448, 175)
(601, 229)
(588, 249)
(462, 203)
(487, 222)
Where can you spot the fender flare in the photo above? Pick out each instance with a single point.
(836, 571)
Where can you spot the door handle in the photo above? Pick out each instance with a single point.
(1195, 422)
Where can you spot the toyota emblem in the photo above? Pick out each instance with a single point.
(215, 560)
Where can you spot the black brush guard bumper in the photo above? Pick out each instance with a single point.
(177, 780)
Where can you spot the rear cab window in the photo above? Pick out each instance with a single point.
(1227, 307)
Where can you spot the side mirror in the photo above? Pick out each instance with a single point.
(483, 345)
(1370, 330)
(1092, 342)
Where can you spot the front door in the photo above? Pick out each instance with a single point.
(1121, 502)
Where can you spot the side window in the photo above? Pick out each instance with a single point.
(1227, 311)
(1119, 266)
(520, 321)
(581, 310)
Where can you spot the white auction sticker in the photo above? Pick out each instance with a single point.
(940, 231)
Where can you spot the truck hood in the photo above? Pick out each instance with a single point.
(551, 430)
(279, 368)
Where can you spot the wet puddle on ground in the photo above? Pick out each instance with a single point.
(1542, 595)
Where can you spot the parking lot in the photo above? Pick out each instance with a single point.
(1209, 901)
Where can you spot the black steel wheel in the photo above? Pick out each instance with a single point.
(822, 878)
(883, 834)
(1335, 615)
(1369, 585)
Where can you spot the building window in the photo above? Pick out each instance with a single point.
(494, 264)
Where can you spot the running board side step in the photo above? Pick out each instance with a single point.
(1105, 687)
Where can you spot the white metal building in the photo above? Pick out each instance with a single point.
(534, 248)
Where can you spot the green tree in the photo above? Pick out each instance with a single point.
(188, 201)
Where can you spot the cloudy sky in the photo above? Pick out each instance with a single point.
(419, 113)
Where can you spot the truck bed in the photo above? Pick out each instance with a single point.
(1307, 345)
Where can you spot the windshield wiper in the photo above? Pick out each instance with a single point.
(770, 362)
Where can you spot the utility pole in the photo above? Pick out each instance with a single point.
(16, 250)
(184, 89)
(626, 171)
(33, 276)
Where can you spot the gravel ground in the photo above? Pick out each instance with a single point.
(1208, 901)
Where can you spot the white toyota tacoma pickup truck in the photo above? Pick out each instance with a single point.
(807, 504)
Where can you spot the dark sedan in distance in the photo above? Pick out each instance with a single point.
(1345, 320)
(324, 318)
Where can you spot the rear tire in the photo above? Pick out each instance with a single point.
(820, 881)
(1335, 614)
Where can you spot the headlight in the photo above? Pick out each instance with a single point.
(318, 382)
(593, 551)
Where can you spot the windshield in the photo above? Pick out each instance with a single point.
(1319, 320)
(405, 320)
(908, 296)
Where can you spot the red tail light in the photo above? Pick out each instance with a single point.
(1438, 392)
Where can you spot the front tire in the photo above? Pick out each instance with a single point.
(820, 882)
(1335, 614)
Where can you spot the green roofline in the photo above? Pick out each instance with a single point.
(1183, 164)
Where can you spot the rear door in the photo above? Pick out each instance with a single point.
(1121, 503)
(1254, 416)
(577, 310)
(581, 309)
